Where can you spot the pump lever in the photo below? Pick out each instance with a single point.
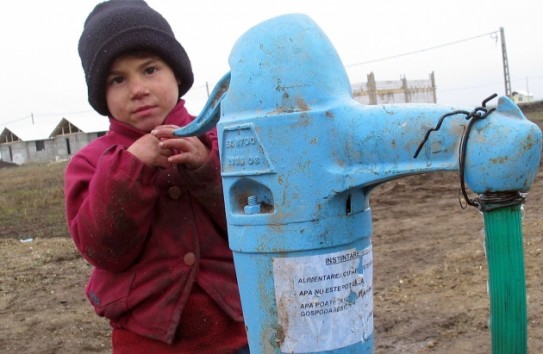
(210, 115)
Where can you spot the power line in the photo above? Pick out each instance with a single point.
(494, 84)
(470, 87)
(494, 33)
(17, 120)
(73, 113)
(43, 115)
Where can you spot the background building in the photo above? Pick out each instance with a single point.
(401, 91)
(50, 141)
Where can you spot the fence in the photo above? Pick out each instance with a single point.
(400, 91)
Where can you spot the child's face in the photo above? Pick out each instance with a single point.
(141, 91)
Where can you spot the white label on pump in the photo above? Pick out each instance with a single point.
(324, 302)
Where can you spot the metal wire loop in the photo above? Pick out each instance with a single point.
(478, 113)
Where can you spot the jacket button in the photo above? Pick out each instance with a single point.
(174, 192)
(189, 258)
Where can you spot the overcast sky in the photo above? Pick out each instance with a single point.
(42, 75)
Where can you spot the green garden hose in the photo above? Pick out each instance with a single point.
(507, 280)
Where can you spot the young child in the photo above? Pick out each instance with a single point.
(145, 208)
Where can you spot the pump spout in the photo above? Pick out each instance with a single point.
(502, 150)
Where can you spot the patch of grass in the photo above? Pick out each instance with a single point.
(32, 201)
(536, 116)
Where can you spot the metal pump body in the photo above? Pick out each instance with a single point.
(299, 158)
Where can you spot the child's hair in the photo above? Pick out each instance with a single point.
(117, 27)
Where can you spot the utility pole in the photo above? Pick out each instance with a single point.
(506, 77)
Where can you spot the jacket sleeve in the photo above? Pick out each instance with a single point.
(205, 183)
(108, 206)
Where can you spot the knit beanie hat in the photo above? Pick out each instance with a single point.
(116, 27)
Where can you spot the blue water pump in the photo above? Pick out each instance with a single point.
(299, 158)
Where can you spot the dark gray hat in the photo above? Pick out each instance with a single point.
(116, 27)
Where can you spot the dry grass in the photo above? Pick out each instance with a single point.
(536, 116)
(32, 201)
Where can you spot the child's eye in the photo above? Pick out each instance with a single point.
(116, 80)
(150, 70)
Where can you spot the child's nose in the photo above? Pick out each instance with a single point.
(138, 87)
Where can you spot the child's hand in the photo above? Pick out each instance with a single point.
(188, 151)
(148, 150)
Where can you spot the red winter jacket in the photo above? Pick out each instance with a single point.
(150, 233)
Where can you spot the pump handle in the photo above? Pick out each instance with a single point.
(210, 115)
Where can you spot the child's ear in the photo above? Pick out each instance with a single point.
(178, 82)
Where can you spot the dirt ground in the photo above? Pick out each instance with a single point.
(430, 277)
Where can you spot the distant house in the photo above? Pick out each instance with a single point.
(71, 134)
(522, 97)
(31, 142)
(52, 141)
